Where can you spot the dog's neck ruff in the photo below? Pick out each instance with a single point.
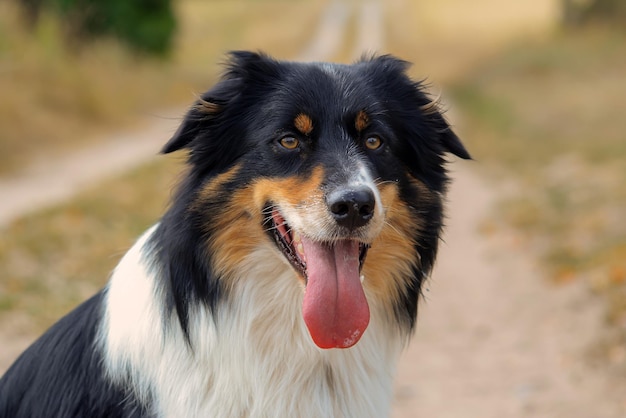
(252, 358)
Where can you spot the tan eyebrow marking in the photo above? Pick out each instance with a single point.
(303, 123)
(361, 121)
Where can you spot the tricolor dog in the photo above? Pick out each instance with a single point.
(284, 279)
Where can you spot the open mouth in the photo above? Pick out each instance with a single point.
(290, 244)
(334, 306)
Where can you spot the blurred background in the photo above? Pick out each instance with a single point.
(536, 89)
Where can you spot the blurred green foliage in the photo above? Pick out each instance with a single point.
(577, 12)
(144, 25)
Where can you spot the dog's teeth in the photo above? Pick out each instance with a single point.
(362, 278)
(300, 250)
(297, 244)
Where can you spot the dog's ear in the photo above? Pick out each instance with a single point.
(251, 67)
(198, 116)
(454, 145)
(449, 140)
(410, 102)
(202, 115)
(243, 69)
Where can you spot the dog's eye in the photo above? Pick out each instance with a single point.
(373, 143)
(289, 142)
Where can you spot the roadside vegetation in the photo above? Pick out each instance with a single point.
(538, 98)
(53, 260)
(548, 118)
(56, 97)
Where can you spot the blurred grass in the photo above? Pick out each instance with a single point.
(446, 39)
(550, 115)
(541, 110)
(53, 260)
(54, 98)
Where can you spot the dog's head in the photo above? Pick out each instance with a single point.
(340, 166)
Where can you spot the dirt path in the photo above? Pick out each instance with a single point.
(493, 338)
(46, 183)
(330, 34)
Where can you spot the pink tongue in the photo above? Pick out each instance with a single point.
(334, 308)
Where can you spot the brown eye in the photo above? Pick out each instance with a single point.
(373, 142)
(289, 142)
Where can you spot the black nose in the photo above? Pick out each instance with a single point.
(352, 207)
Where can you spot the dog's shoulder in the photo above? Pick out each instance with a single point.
(61, 374)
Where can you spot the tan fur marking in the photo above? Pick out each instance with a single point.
(362, 121)
(292, 191)
(237, 230)
(207, 107)
(209, 190)
(392, 254)
(426, 195)
(433, 106)
(303, 123)
(237, 238)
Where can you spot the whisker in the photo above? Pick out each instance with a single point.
(273, 226)
(380, 182)
(393, 227)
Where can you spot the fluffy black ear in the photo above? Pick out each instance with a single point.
(449, 140)
(181, 138)
(243, 68)
(204, 113)
(454, 145)
(433, 113)
(197, 117)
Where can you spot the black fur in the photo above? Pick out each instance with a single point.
(61, 374)
(258, 99)
(239, 121)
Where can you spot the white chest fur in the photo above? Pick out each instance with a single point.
(252, 358)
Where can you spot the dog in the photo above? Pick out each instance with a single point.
(284, 279)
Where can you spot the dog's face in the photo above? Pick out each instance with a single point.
(338, 167)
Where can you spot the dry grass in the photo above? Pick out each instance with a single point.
(550, 114)
(54, 99)
(53, 260)
(447, 38)
(542, 109)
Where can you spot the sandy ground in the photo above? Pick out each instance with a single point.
(493, 338)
